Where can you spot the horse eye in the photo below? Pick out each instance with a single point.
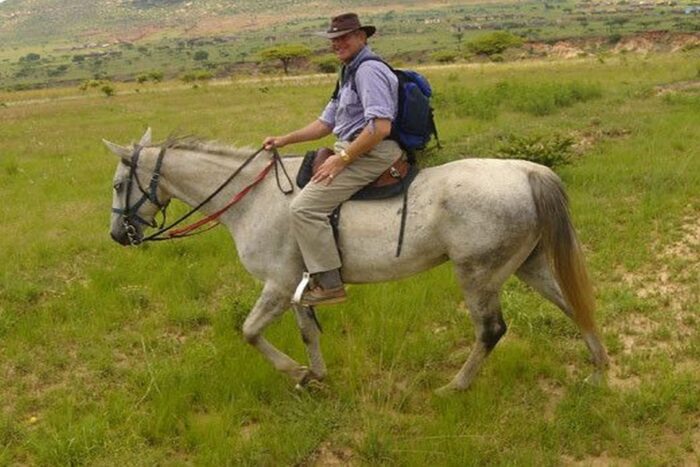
(118, 186)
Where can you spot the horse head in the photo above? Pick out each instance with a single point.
(137, 196)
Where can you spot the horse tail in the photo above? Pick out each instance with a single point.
(562, 247)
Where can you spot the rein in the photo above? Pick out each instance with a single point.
(130, 212)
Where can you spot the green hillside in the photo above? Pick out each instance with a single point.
(37, 21)
(45, 43)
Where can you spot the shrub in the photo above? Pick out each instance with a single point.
(91, 83)
(156, 76)
(30, 57)
(201, 55)
(552, 151)
(142, 78)
(444, 56)
(494, 43)
(327, 63)
(107, 90)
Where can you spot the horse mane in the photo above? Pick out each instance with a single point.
(194, 143)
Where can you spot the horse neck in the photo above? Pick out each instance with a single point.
(192, 175)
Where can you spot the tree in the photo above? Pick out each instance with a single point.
(30, 57)
(201, 55)
(494, 43)
(285, 53)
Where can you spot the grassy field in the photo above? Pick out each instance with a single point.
(135, 356)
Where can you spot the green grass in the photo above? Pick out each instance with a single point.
(112, 355)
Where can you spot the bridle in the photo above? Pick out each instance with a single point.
(130, 213)
(130, 216)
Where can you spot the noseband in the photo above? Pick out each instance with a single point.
(130, 215)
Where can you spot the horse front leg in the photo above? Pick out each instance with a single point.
(311, 334)
(270, 306)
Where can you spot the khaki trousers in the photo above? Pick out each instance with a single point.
(311, 208)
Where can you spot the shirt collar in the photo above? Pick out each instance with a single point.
(355, 62)
(364, 52)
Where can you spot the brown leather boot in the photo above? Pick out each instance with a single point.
(325, 288)
(320, 296)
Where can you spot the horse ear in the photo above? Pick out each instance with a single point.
(146, 138)
(121, 151)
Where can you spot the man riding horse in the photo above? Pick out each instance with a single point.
(360, 117)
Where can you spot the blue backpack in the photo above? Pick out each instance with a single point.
(414, 124)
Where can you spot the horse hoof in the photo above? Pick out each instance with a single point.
(311, 383)
(307, 378)
(446, 391)
(596, 379)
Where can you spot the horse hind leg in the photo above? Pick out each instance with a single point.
(537, 273)
(484, 306)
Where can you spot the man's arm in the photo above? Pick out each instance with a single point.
(314, 130)
(371, 135)
(374, 133)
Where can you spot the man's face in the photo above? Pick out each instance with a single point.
(347, 46)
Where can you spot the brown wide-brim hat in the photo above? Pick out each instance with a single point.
(345, 24)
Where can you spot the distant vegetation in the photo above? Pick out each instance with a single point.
(176, 37)
(286, 54)
(494, 43)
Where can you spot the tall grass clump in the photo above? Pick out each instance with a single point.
(535, 99)
(480, 104)
(546, 98)
(552, 151)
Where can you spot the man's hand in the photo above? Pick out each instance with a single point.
(274, 142)
(329, 169)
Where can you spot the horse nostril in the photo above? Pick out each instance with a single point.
(121, 239)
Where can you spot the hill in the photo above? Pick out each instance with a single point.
(37, 21)
(65, 42)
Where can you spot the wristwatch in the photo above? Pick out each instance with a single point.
(344, 155)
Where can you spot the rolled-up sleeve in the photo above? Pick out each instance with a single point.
(328, 115)
(377, 88)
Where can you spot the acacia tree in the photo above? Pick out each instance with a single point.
(285, 53)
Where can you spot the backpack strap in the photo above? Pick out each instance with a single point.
(351, 76)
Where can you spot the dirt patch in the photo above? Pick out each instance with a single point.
(248, 430)
(653, 41)
(554, 393)
(603, 460)
(566, 50)
(682, 86)
(586, 139)
(670, 282)
(327, 454)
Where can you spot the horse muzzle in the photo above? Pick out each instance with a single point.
(126, 233)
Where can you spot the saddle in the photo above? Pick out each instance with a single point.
(394, 181)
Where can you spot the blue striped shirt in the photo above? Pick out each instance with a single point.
(375, 95)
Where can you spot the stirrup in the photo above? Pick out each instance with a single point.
(301, 288)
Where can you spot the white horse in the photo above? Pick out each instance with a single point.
(491, 218)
